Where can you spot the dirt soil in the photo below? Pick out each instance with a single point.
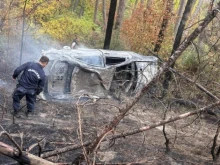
(57, 121)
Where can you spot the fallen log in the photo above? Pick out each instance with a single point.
(24, 157)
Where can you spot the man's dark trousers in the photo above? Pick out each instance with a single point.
(19, 93)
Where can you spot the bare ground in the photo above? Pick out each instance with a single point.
(57, 122)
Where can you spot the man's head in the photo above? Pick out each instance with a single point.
(44, 61)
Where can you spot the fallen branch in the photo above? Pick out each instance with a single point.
(215, 155)
(24, 158)
(197, 84)
(13, 141)
(139, 130)
(169, 120)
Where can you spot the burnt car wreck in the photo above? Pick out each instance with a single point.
(72, 73)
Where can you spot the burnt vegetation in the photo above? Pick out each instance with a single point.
(180, 125)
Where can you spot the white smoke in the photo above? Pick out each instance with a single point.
(10, 52)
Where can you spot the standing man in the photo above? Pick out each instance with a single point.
(30, 84)
(74, 43)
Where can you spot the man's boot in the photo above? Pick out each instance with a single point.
(28, 113)
(15, 114)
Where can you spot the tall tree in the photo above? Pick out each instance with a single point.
(164, 24)
(82, 8)
(104, 13)
(75, 4)
(120, 14)
(211, 4)
(22, 33)
(78, 6)
(96, 10)
(179, 15)
(110, 24)
(177, 40)
(4, 12)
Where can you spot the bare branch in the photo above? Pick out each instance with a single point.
(13, 141)
(197, 84)
(169, 120)
(24, 158)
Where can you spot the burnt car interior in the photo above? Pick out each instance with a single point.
(114, 60)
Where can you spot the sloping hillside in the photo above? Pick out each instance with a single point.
(55, 125)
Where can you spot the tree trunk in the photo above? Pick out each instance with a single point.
(6, 13)
(120, 15)
(198, 8)
(164, 24)
(211, 4)
(177, 41)
(195, 13)
(215, 154)
(24, 158)
(179, 15)
(22, 33)
(95, 11)
(82, 8)
(75, 4)
(104, 13)
(111, 18)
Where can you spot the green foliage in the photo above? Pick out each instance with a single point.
(176, 5)
(57, 19)
(95, 39)
(39, 12)
(189, 61)
(65, 28)
(117, 43)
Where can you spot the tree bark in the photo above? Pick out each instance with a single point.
(6, 13)
(110, 24)
(75, 4)
(82, 8)
(120, 14)
(22, 33)
(179, 15)
(177, 41)
(24, 158)
(104, 13)
(211, 4)
(215, 155)
(95, 11)
(166, 17)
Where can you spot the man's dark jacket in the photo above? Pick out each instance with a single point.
(33, 76)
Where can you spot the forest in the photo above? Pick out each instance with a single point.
(174, 119)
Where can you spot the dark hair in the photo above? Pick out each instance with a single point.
(44, 59)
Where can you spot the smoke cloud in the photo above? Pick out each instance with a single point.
(10, 51)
